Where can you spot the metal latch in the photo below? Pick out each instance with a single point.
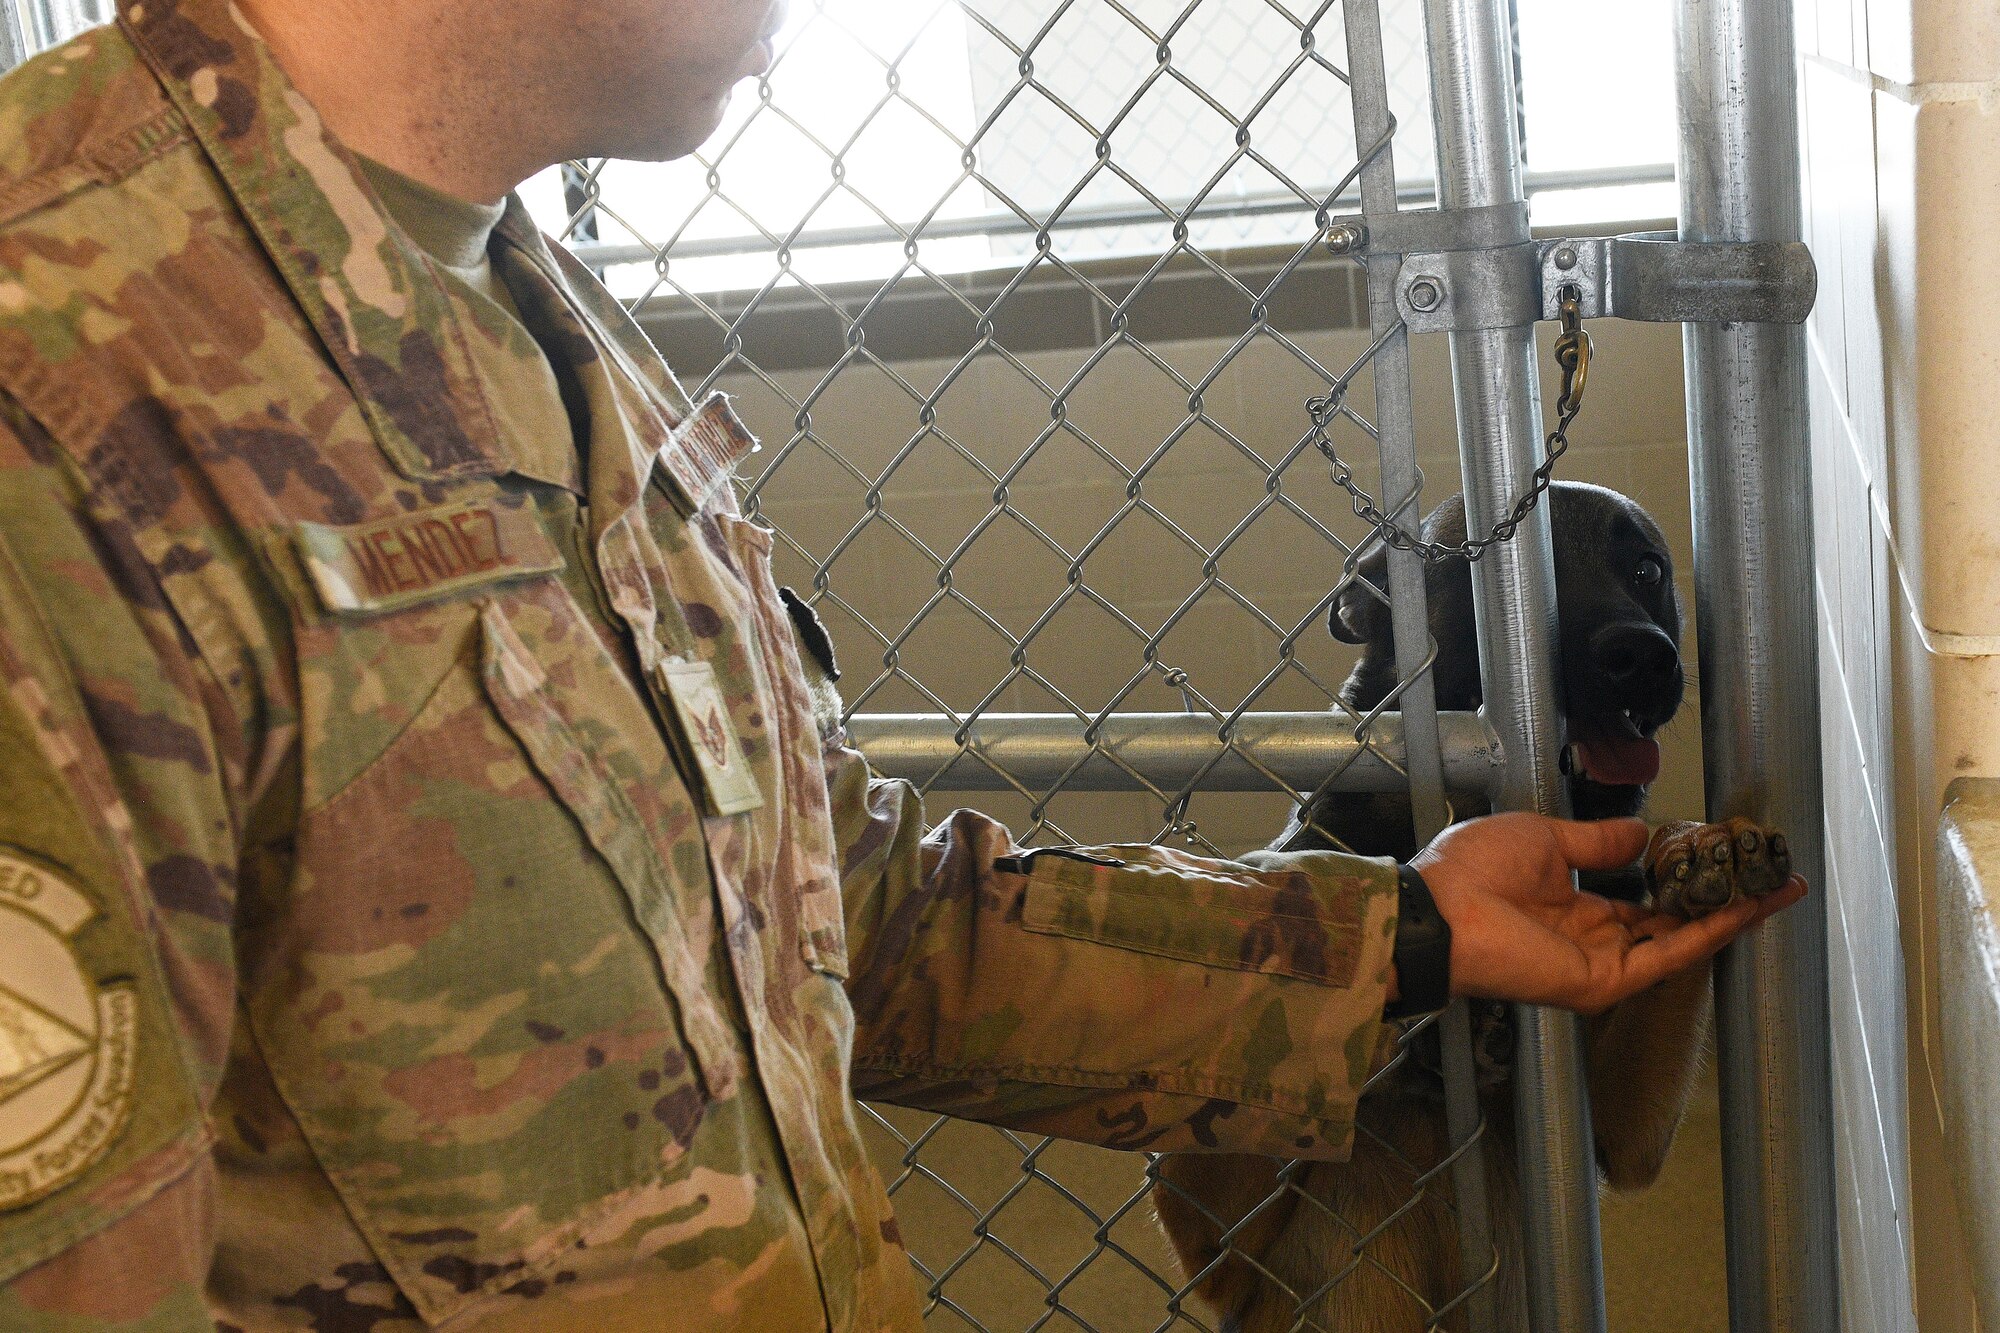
(1468, 282)
(1655, 276)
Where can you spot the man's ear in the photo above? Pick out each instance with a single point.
(1361, 612)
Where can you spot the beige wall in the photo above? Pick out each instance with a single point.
(1631, 437)
(1902, 169)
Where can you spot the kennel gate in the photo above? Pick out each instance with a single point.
(1457, 270)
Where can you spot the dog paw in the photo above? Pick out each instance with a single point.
(1695, 869)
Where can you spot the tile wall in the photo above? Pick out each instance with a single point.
(1901, 110)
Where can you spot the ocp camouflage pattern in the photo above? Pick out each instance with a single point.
(454, 1005)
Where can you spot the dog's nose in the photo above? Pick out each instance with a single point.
(1635, 655)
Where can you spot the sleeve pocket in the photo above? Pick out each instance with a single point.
(1281, 922)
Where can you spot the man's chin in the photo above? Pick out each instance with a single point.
(675, 135)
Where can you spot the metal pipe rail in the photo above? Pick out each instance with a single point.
(1000, 224)
(29, 26)
(16, 44)
(1753, 542)
(1170, 750)
(1497, 388)
(1427, 763)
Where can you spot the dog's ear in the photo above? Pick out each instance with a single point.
(1359, 615)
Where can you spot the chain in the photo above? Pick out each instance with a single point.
(1572, 357)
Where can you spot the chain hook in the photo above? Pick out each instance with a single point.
(1572, 357)
(1572, 350)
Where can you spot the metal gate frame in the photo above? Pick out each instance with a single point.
(1498, 390)
(1751, 487)
(1751, 470)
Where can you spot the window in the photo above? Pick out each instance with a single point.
(958, 136)
(1598, 100)
(961, 136)
(972, 128)
(31, 25)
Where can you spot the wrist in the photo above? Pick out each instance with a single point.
(1420, 966)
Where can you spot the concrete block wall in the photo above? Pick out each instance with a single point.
(1632, 437)
(1900, 104)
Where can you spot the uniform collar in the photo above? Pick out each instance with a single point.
(391, 327)
(642, 413)
(384, 318)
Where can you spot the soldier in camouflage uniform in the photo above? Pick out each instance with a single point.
(426, 894)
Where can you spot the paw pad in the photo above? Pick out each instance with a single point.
(1695, 869)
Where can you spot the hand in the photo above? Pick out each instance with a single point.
(1520, 931)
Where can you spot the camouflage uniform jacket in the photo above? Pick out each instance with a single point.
(368, 959)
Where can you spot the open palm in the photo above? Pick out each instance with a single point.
(1521, 931)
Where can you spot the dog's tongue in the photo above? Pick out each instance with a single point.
(1619, 762)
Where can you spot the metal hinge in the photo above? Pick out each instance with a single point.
(1459, 271)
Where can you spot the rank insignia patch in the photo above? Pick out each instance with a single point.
(711, 736)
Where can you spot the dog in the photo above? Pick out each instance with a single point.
(1295, 1258)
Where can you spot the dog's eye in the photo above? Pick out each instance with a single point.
(1649, 573)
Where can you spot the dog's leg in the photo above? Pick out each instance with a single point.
(1304, 1271)
(1203, 1196)
(1386, 1284)
(1644, 1056)
(1645, 1053)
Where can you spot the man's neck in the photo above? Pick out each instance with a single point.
(400, 84)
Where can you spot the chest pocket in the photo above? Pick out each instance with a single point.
(484, 998)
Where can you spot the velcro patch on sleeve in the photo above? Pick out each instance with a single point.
(398, 562)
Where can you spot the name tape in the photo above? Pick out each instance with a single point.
(413, 558)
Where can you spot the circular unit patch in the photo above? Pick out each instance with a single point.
(67, 1042)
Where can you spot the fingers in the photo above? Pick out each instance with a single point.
(1675, 944)
(1681, 944)
(1772, 903)
(1599, 844)
(1638, 918)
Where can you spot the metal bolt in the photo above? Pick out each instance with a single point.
(1566, 258)
(1344, 238)
(1426, 294)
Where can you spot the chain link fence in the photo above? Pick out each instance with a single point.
(972, 493)
(1025, 298)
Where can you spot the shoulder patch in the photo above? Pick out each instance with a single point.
(68, 1040)
(397, 562)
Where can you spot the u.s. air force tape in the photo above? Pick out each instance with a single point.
(68, 1040)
